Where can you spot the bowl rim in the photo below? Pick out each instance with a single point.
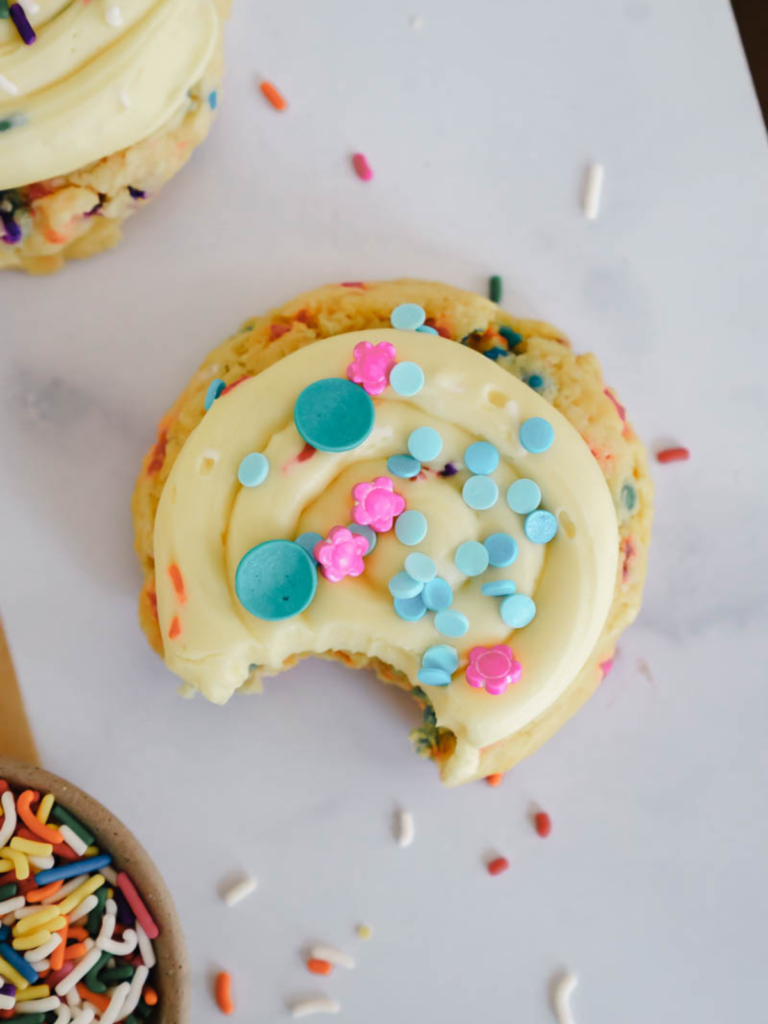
(172, 971)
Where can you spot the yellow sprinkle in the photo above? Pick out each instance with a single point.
(33, 992)
(20, 862)
(32, 849)
(6, 865)
(91, 885)
(91, 851)
(45, 808)
(30, 924)
(12, 975)
(32, 941)
(110, 893)
(365, 931)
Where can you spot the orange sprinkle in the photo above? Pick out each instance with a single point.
(57, 956)
(175, 628)
(673, 455)
(38, 895)
(99, 1001)
(150, 996)
(75, 951)
(178, 583)
(77, 933)
(44, 832)
(495, 779)
(319, 966)
(224, 992)
(273, 96)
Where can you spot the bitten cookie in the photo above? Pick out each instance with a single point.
(100, 104)
(430, 488)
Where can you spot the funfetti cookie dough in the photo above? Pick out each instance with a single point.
(343, 479)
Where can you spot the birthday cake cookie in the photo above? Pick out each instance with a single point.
(400, 476)
(100, 104)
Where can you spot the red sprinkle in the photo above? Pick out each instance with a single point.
(543, 824)
(306, 453)
(158, 453)
(278, 330)
(498, 866)
(178, 582)
(136, 903)
(363, 169)
(673, 455)
(319, 966)
(233, 385)
(273, 95)
(174, 629)
(495, 779)
(353, 284)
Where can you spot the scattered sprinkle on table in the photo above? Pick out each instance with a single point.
(593, 190)
(563, 993)
(543, 824)
(673, 455)
(495, 779)
(417, 21)
(224, 992)
(495, 288)
(363, 169)
(240, 890)
(333, 955)
(273, 95)
(498, 866)
(364, 932)
(321, 967)
(310, 1007)
(406, 829)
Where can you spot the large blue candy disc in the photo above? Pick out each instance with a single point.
(540, 526)
(523, 496)
(452, 623)
(480, 492)
(517, 610)
(501, 548)
(471, 558)
(334, 415)
(276, 580)
(482, 457)
(437, 594)
(441, 656)
(536, 435)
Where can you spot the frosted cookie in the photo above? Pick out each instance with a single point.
(342, 479)
(100, 104)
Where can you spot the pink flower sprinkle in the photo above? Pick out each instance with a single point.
(362, 168)
(377, 504)
(371, 365)
(494, 668)
(341, 554)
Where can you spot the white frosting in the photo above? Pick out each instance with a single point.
(206, 523)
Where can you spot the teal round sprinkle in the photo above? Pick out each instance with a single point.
(411, 527)
(494, 353)
(365, 531)
(540, 526)
(407, 317)
(535, 381)
(410, 608)
(437, 594)
(420, 567)
(441, 656)
(403, 585)
(536, 435)
(427, 330)
(433, 677)
(480, 492)
(501, 548)
(425, 444)
(276, 580)
(309, 541)
(498, 588)
(406, 379)
(511, 337)
(523, 496)
(451, 623)
(403, 466)
(482, 457)
(253, 470)
(213, 99)
(495, 288)
(334, 415)
(214, 391)
(628, 496)
(471, 558)
(517, 610)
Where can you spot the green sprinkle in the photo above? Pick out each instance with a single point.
(92, 980)
(132, 1020)
(495, 288)
(629, 496)
(6, 123)
(63, 816)
(7, 892)
(114, 975)
(32, 1018)
(4, 12)
(143, 1010)
(95, 916)
(511, 337)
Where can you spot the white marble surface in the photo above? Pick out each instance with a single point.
(478, 125)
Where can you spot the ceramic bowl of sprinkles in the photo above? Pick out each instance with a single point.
(88, 930)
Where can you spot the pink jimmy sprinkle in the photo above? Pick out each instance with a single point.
(371, 365)
(377, 504)
(619, 407)
(363, 169)
(341, 554)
